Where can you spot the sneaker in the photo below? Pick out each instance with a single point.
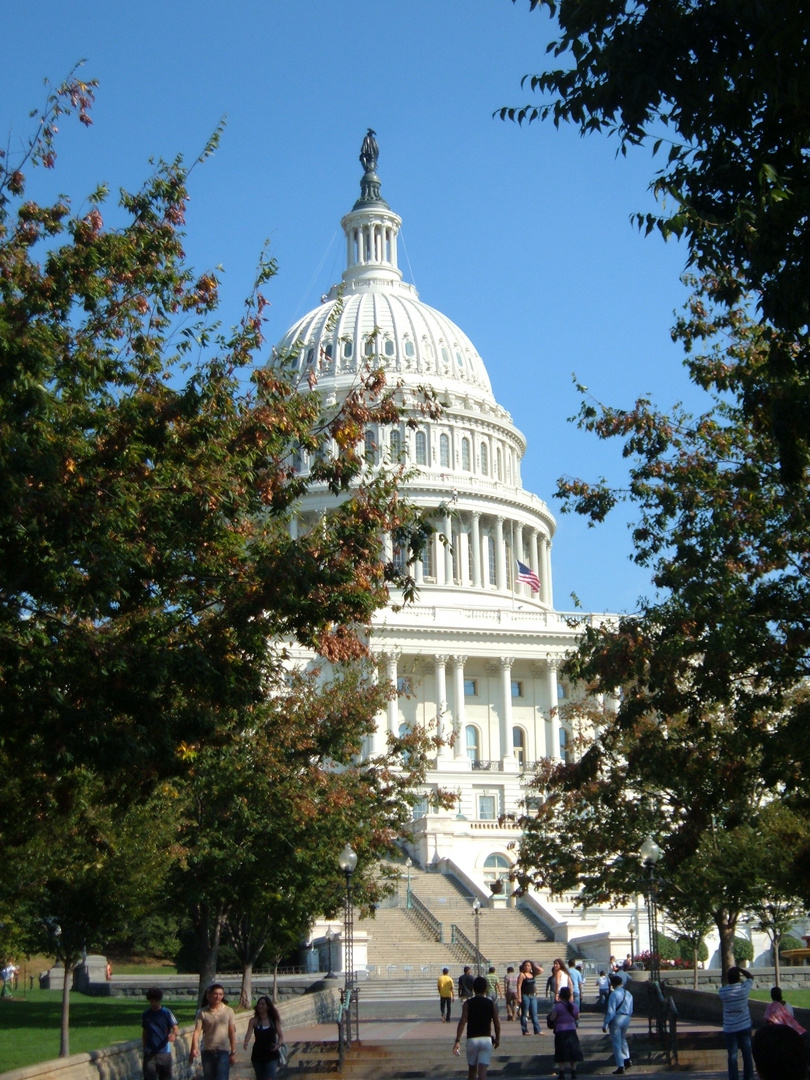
(627, 1063)
(618, 1072)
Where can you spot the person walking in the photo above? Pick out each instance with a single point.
(561, 975)
(493, 984)
(737, 1021)
(159, 1031)
(527, 998)
(576, 980)
(510, 982)
(265, 1028)
(617, 1021)
(446, 994)
(479, 1015)
(603, 986)
(465, 984)
(564, 1017)
(216, 1024)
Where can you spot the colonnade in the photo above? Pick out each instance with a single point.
(451, 717)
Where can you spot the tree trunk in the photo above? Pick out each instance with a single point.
(246, 993)
(64, 1031)
(275, 980)
(695, 965)
(207, 934)
(726, 923)
(777, 971)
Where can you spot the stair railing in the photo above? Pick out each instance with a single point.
(424, 915)
(458, 937)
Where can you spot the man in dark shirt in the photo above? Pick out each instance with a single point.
(465, 985)
(479, 1015)
(159, 1032)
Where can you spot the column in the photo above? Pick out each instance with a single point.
(548, 595)
(506, 706)
(294, 528)
(393, 704)
(535, 560)
(553, 663)
(443, 725)
(448, 550)
(500, 556)
(475, 539)
(377, 741)
(460, 745)
(518, 554)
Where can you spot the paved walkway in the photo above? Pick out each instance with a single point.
(415, 1021)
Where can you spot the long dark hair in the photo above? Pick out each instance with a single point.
(272, 1011)
(565, 995)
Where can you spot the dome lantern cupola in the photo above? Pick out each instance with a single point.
(371, 228)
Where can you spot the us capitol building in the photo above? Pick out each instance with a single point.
(478, 654)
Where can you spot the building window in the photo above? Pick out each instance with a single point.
(328, 351)
(421, 448)
(517, 688)
(497, 868)
(484, 459)
(420, 808)
(471, 688)
(428, 566)
(465, 454)
(491, 559)
(519, 744)
(395, 441)
(409, 349)
(564, 744)
(444, 451)
(472, 743)
(561, 691)
(348, 349)
(371, 447)
(470, 572)
(389, 347)
(400, 560)
(370, 346)
(499, 463)
(404, 686)
(459, 361)
(487, 808)
(445, 356)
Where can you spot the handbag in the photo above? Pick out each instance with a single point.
(283, 1055)
(551, 1019)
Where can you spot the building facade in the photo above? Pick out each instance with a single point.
(477, 657)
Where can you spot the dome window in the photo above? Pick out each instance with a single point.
(369, 346)
(389, 347)
(459, 361)
(491, 560)
(327, 351)
(484, 459)
(499, 464)
(348, 349)
(444, 451)
(445, 356)
(409, 349)
(421, 448)
(465, 454)
(396, 445)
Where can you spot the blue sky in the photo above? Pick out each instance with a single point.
(521, 236)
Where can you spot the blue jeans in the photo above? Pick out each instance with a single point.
(618, 1039)
(739, 1040)
(216, 1064)
(528, 1007)
(265, 1070)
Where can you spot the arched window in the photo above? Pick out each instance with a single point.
(499, 463)
(491, 559)
(421, 448)
(370, 346)
(564, 752)
(484, 459)
(389, 347)
(428, 565)
(519, 744)
(409, 349)
(348, 349)
(371, 447)
(444, 451)
(497, 868)
(472, 742)
(395, 442)
(465, 454)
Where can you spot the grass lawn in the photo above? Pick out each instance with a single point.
(799, 999)
(29, 1027)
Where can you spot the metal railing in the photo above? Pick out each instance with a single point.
(458, 937)
(422, 914)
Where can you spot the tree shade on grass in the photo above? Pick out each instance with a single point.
(29, 1027)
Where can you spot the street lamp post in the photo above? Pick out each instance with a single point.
(476, 906)
(631, 929)
(330, 937)
(650, 854)
(348, 863)
(408, 865)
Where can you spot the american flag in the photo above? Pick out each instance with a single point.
(528, 576)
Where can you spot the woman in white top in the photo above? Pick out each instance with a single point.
(559, 970)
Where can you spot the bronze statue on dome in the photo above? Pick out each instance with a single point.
(369, 152)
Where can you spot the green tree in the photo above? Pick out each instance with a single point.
(147, 566)
(719, 89)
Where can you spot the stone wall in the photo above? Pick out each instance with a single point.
(123, 1062)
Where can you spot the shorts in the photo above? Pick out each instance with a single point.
(479, 1050)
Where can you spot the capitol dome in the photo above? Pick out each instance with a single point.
(374, 317)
